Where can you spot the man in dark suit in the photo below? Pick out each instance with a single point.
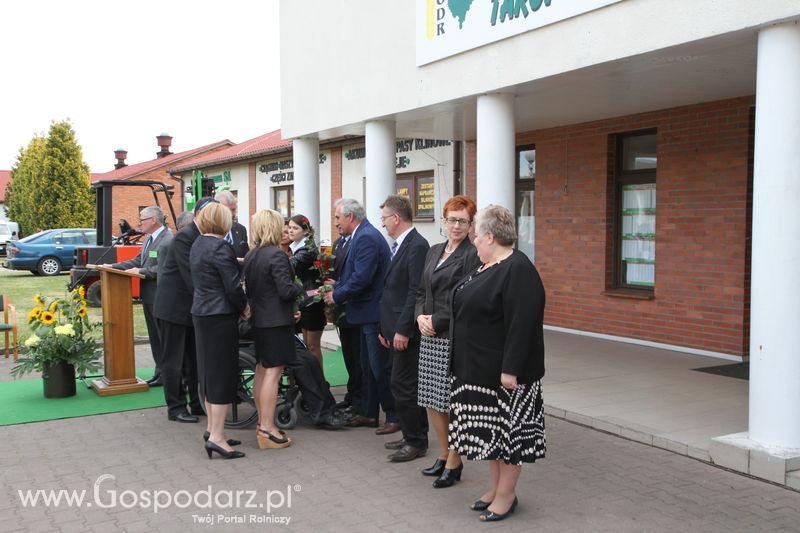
(173, 311)
(359, 290)
(399, 333)
(151, 221)
(237, 236)
(349, 335)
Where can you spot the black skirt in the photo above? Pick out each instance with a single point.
(497, 423)
(312, 318)
(274, 346)
(217, 339)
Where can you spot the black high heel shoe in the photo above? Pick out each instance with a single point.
(491, 516)
(436, 469)
(480, 505)
(233, 454)
(231, 442)
(448, 477)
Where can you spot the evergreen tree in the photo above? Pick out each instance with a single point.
(50, 186)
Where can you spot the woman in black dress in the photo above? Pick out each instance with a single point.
(217, 303)
(497, 346)
(445, 265)
(271, 292)
(304, 255)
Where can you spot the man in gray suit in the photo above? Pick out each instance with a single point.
(151, 221)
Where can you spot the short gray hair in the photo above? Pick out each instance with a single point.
(184, 219)
(348, 206)
(226, 198)
(155, 212)
(498, 221)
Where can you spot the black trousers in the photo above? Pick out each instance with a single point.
(405, 378)
(178, 366)
(308, 375)
(154, 334)
(350, 337)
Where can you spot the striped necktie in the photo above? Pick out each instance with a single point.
(394, 249)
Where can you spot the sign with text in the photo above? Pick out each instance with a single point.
(448, 27)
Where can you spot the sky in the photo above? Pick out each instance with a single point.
(125, 71)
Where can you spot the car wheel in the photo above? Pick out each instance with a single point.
(49, 266)
(93, 295)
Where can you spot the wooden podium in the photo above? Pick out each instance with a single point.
(118, 356)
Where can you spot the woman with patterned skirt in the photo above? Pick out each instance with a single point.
(497, 350)
(445, 264)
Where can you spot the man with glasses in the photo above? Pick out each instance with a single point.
(151, 222)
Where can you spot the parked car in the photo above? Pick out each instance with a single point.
(8, 231)
(48, 252)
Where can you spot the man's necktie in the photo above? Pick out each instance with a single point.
(146, 246)
(394, 249)
(229, 238)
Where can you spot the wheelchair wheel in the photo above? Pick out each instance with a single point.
(285, 416)
(242, 413)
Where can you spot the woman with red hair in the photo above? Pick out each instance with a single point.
(445, 264)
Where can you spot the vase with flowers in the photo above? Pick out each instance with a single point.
(63, 341)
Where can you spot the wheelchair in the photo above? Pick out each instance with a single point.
(242, 413)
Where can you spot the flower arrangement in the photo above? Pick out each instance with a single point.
(62, 333)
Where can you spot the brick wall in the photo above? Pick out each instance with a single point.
(704, 187)
(336, 186)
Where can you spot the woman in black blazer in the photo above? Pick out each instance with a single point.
(272, 292)
(445, 265)
(303, 258)
(497, 362)
(217, 302)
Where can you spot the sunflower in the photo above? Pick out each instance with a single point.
(34, 314)
(48, 317)
(82, 311)
(81, 292)
(38, 300)
(53, 307)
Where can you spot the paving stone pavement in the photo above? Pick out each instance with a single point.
(341, 481)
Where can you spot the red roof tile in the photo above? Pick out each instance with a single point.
(167, 162)
(5, 177)
(262, 145)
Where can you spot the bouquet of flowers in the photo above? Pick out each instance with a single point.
(62, 333)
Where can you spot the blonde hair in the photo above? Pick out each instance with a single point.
(266, 228)
(215, 218)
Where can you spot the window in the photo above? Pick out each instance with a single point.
(419, 188)
(525, 185)
(635, 201)
(283, 200)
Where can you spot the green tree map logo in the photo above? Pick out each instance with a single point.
(459, 8)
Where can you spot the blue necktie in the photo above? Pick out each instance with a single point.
(394, 249)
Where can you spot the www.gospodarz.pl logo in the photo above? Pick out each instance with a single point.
(104, 496)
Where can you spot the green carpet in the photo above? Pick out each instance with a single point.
(23, 400)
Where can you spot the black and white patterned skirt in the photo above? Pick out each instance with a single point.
(497, 423)
(434, 374)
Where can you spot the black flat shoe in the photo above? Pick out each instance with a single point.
(490, 516)
(480, 505)
(231, 442)
(225, 454)
(184, 417)
(448, 477)
(436, 469)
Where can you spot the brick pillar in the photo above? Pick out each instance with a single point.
(471, 169)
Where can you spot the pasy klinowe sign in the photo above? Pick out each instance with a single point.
(447, 27)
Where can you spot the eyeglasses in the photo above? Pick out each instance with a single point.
(146, 218)
(457, 222)
(388, 216)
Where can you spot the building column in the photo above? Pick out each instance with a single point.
(496, 146)
(771, 447)
(775, 287)
(381, 148)
(305, 152)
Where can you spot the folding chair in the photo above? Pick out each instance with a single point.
(9, 324)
